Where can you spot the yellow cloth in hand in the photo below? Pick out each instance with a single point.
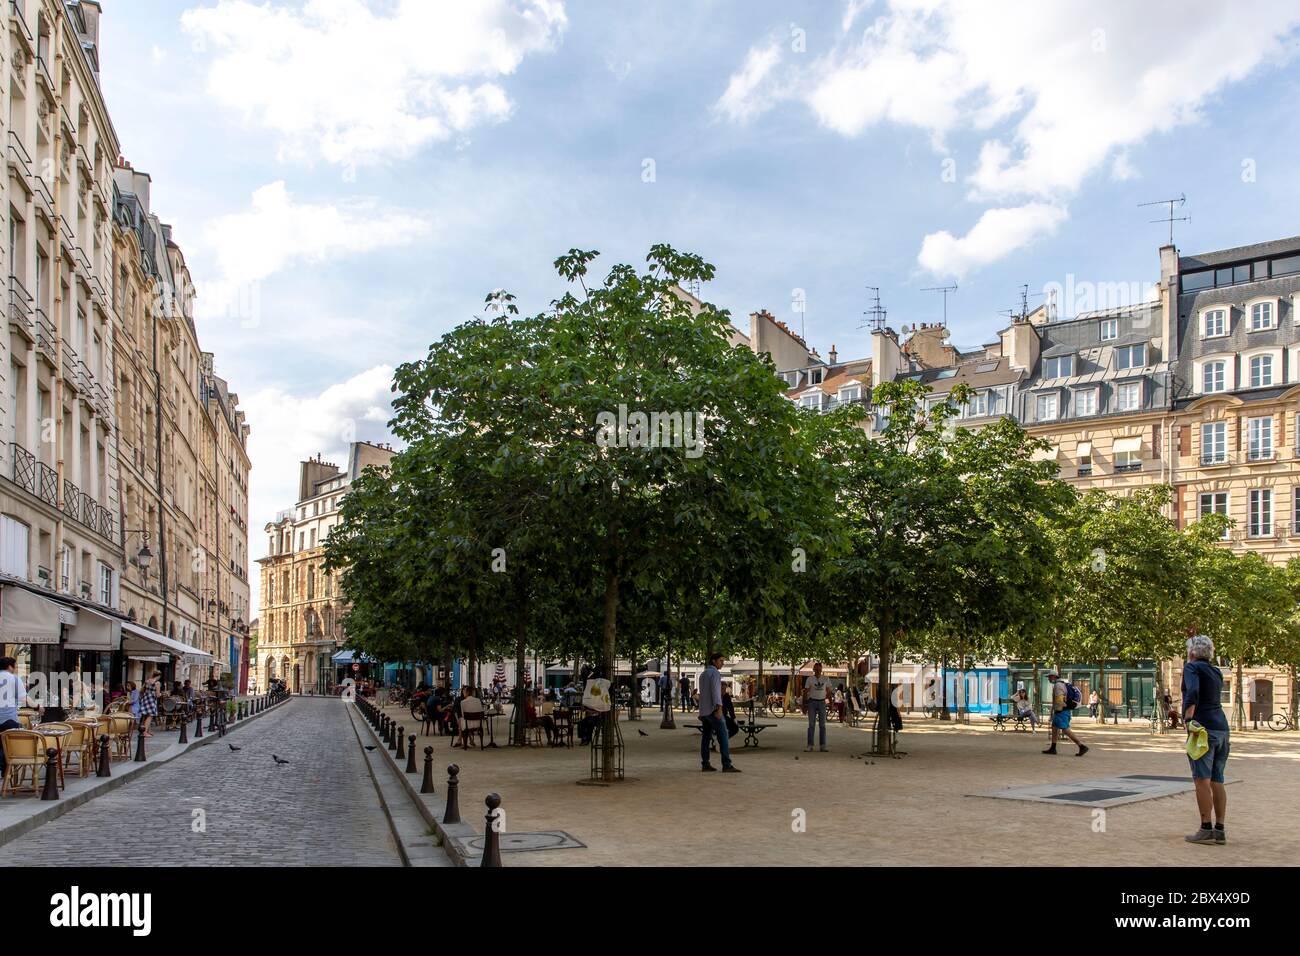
(1198, 740)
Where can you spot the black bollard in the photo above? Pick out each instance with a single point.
(198, 724)
(105, 757)
(491, 838)
(401, 743)
(410, 754)
(426, 785)
(452, 813)
(139, 745)
(51, 791)
(392, 735)
(212, 717)
(185, 731)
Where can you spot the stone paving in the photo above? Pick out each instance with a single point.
(321, 809)
(790, 807)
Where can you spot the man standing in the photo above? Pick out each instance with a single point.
(666, 694)
(684, 686)
(814, 702)
(13, 694)
(711, 716)
(1062, 708)
(1202, 688)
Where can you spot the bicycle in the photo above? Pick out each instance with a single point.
(1281, 722)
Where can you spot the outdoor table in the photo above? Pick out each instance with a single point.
(53, 737)
(752, 730)
(491, 717)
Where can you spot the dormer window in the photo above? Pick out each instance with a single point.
(1263, 316)
(812, 400)
(1216, 323)
(850, 393)
(1060, 366)
(1130, 356)
(815, 376)
(1109, 329)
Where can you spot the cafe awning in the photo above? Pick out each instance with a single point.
(142, 640)
(827, 671)
(346, 657)
(94, 632)
(27, 618)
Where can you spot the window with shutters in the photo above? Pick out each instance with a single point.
(14, 538)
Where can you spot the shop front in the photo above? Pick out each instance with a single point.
(1130, 686)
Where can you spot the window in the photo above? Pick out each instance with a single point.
(1128, 396)
(1128, 460)
(1058, 367)
(1285, 266)
(1262, 316)
(1261, 371)
(1084, 451)
(1130, 356)
(947, 373)
(105, 585)
(851, 393)
(1213, 376)
(978, 405)
(1261, 512)
(1216, 323)
(815, 376)
(811, 401)
(1214, 443)
(1259, 442)
(13, 547)
(1214, 503)
(65, 568)
(1109, 329)
(986, 367)
(1047, 407)
(1198, 280)
(1085, 402)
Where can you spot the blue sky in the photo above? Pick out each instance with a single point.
(348, 179)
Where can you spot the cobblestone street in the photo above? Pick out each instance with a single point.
(320, 809)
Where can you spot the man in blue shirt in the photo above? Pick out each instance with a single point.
(710, 684)
(1202, 687)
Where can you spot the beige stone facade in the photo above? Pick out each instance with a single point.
(301, 605)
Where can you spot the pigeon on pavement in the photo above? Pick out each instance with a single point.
(233, 747)
(277, 759)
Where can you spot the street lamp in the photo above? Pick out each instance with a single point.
(144, 557)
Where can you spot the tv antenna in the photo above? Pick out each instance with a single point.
(876, 314)
(945, 289)
(1171, 218)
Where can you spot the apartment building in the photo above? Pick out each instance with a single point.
(108, 559)
(301, 606)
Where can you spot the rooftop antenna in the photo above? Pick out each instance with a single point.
(876, 314)
(1171, 218)
(945, 289)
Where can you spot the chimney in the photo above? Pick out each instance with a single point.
(834, 355)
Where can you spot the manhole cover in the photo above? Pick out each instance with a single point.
(1088, 796)
(520, 842)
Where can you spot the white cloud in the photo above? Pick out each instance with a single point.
(341, 81)
(277, 231)
(287, 429)
(1058, 90)
(998, 232)
(746, 95)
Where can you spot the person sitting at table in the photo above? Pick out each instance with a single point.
(545, 721)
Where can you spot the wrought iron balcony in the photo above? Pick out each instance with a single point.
(1131, 466)
(1215, 458)
(24, 467)
(44, 333)
(1261, 454)
(20, 309)
(18, 155)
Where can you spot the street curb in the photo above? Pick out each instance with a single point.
(130, 772)
(449, 833)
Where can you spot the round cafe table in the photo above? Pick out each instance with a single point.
(53, 737)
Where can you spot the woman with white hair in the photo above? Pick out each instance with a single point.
(1202, 686)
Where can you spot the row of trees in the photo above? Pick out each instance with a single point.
(612, 477)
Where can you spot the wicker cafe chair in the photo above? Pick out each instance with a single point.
(59, 742)
(171, 712)
(119, 705)
(471, 721)
(120, 728)
(81, 743)
(24, 753)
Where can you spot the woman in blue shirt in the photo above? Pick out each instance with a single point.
(1202, 687)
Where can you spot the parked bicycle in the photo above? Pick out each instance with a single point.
(1281, 722)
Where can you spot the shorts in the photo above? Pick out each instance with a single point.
(1061, 720)
(1211, 764)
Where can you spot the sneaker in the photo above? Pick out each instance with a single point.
(731, 770)
(1220, 837)
(822, 749)
(1050, 750)
(807, 749)
(708, 767)
(1083, 749)
(1202, 836)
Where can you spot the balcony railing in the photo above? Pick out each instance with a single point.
(18, 154)
(47, 484)
(1130, 466)
(1275, 532)
(20, 309)
(1261, 454)
(44, 333)
(16, 11)
(24, 467)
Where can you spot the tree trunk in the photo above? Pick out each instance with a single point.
(472, 676)
(634, 699)
(1033, 691)
(521, 667)
(607, 659)
(1101, 692)
(943, 683)
(1163, 715)
(884, 743)
(1239, 709)
(1295, 698)
(962, 702)
(666, 722)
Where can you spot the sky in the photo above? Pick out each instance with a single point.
(349, 179)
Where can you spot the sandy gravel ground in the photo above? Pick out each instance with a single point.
(913, 810)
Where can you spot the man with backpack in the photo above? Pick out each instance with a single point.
(1065, 697)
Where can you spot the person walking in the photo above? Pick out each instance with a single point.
(149, 703)
(711, 716)
(1064, 699)
(815, 689)
(1202, 709)
(1093, 703)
